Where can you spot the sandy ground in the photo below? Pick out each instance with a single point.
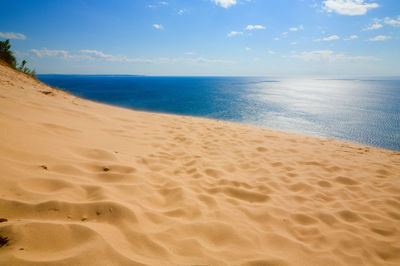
(84, 183)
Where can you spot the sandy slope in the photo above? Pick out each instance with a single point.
(88, 184)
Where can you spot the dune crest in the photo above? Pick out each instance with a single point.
(84, 183)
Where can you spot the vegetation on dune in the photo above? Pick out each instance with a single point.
(7, 56)
(26, 70)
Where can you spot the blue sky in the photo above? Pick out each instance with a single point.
(206, 37)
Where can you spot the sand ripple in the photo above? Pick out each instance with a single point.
(88, 184)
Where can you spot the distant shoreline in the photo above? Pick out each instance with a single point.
(356, 122)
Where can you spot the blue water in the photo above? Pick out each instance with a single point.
(362, 111)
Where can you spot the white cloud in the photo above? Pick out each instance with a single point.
(270, 52)
(331, 38)
(225, 3)
(284, 35)
(189, 53)
(380, 38)
(255, 27)
(161, 3)
(293, 43)
(12, 35)
(374, 26)
(158, 26)
(247, 49)
(352, 37)
(95, 55)
(330, 56)
(348, 7)
(99, 54)
(181, 11)
(393, 22)
(234, 33)
(86, 55)
(50, 53)
(300, 27)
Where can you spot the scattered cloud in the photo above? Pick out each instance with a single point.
(225, 3)
(247, 49)
(189, 53)
(12, 35)
(99, 54)
(50, 53)
(283, 35)
(393, 22)
(330, 56)
(161, 3)
(95, 55)
(348, 7)
(293, 43)
(158, 26)
(352, 37)
(300, 27)
(255, 27)
(380, 38)
(270, 52)
(85, 55)
(374, 26)
(234, 33)
(331, 38)
(181, 11)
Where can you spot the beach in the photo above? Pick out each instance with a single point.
(84, 183)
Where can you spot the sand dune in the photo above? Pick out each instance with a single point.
(89, 184)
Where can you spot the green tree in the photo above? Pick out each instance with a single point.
(6, 54)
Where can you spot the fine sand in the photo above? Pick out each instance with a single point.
(84, 183)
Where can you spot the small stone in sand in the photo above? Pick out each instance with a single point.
(46, 92)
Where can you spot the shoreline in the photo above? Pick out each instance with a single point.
(346, 126)
(277, 130)
(89, 183)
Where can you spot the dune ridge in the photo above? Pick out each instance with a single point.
(84, 183)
